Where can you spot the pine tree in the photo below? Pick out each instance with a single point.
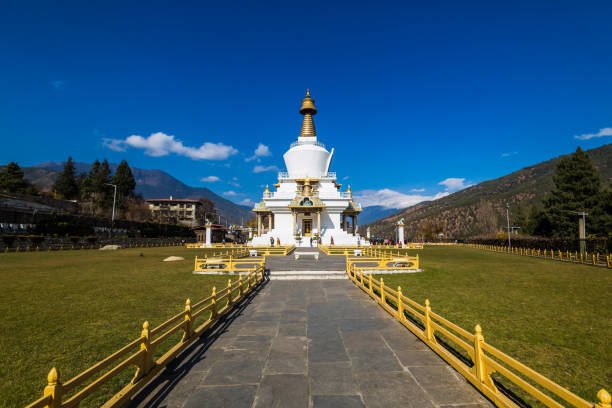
(125, 182)
(66, 183)
(13, 181)
(577, 188)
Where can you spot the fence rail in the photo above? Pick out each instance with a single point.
(140, 352)
(230, 264)
(480, 363)
(593, 259)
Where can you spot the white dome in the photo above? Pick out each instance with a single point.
(307, 160)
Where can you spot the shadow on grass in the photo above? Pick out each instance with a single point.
(154, 393)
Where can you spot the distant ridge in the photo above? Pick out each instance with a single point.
(149, 183)
(465, 213)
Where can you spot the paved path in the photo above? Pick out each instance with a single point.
(311, 344)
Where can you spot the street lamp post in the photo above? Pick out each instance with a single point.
(508, 218)
(114, 201)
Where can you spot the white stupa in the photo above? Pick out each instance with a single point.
(307, 202)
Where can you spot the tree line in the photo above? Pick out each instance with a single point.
(577, 188)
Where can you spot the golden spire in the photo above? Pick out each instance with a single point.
(267, 189)
(348, 190)
(308, 110)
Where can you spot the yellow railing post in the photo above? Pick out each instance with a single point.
(188, 322)
(400, 304)
(145, 346)
(428, 327)
(479, 361)
(382, 291)
(229, 292)
(604, 399)
(370, 283)
(54, 389)
(213, 302)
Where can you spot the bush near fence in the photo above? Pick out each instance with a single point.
(601, 245)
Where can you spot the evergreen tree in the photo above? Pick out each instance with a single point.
(104, 192)
(577, 188)
(66, 183)
(520, 220)
(13, 181)
(125, 182)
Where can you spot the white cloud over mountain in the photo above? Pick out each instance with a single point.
(210, 179)
(392, 199)
(602, 132)
(160, 144)
(453, 184)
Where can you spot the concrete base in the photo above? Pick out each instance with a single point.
(306, 275)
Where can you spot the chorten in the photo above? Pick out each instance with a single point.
(308, 203)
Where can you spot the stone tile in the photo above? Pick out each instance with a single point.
(326, 350)
(332, 379)
(285, 390)
(437, 376)
(297, 315)
(374, 359)
(233, 396)
(292, 329)
(235, 372)
(392, 389)
(363, 339)
(259, 329)
(347, 325)
(287, 356)
(411, 358)
(464, 394)
(259, 343)
(337, 401)
(482, 405)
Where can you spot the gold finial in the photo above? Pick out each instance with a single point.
(267, 189)
(348, 190)
(53, 376)
(308, 109)
(604, 399)
(478, 329)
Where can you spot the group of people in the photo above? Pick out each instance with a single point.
(277, 241)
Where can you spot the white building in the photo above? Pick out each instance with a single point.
(307, 202)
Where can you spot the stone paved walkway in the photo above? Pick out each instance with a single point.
(311, 344)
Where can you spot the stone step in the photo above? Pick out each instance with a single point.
(303, 275)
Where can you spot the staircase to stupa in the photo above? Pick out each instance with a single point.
(306, 266)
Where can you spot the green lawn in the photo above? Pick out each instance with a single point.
(554, 317)
(70, 309)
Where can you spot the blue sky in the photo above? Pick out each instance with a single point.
(411, 94)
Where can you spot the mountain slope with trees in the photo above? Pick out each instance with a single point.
(481, 209)
(149, 184)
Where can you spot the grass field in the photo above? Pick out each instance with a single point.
(70, 309)
(552, 316)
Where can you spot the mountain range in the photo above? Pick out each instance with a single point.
(481, 209)
(149, 184)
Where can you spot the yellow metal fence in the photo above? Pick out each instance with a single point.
(594, 259)
(229, 264)
(140, 352)
(383, 263)
(468, 352)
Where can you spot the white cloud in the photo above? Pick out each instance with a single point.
(160, 144)
(58, 85)
(114, 144)
(235, 178)
(602, 132)
(247, 201)
(345, 178)
(261, 151)
(392, 199)
(230, 193)
(509, 154)
(210, 179)
(454, 184)
(417, 190)
(261, 169)
(233, 183)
